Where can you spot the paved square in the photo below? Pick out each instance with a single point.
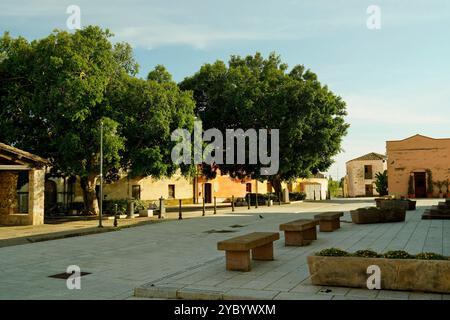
(180, 258)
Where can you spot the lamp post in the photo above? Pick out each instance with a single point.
(100, 225)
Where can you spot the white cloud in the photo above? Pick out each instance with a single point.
(414, 111)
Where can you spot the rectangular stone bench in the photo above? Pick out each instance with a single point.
(329, 221)
(237, 250)
(299, 232)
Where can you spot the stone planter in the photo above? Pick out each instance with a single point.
(396, 274)
(376, 215)
(405, 204)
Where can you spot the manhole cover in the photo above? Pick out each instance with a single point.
(219, 231)
(66, 275)
(236, 226)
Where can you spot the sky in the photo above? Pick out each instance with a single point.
(395, 79)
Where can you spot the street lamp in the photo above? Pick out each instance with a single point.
(101, 177)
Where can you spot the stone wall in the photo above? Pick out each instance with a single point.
(8, 192)
(356, 177)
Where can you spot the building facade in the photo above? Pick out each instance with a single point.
(361, 175)
(22, 177)
(420, 160)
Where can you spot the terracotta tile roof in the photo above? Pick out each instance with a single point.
(370, 157)
(16, 153)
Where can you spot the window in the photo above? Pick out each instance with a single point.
(171, 191)
(269, 187)
(248, 187)
(136, 192)
(368, 174)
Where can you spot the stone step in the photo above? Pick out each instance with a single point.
(438, 215)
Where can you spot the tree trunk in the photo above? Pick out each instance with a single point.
(90, 195)
(275, 181)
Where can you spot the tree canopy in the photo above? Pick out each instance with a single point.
(260, 93)
(56, 91)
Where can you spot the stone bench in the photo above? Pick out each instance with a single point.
(299, 232)
(329, 221)
(237, 250)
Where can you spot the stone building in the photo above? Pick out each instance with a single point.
(22, 181)
(417, 157)
(361, 174)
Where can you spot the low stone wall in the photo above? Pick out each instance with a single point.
(396, 274)
(15, 220)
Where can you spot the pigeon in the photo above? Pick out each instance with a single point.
(261, 217)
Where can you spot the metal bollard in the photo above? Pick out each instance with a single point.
(268, 200)
(248, 201)
(232, 203)
(115, 216)
(256, 200)
(204, 200)
(180, 215)
(161, 207)
(279, 198)
(215, 208)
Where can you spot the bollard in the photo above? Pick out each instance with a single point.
(279, 198)
(268, 199)
(115, 216)
(314, 195)
(256, 200)
(204, 200)
(180, 215)
(161, 207)
(215, 208)
(130, 209)
(232, 203)
(248, 201)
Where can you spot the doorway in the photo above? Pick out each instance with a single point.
(369, 190)
(208, 193)
(420, 184)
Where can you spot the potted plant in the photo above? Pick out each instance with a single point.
(447, 189)
(411, 191)
(430, 185)
(439, 185)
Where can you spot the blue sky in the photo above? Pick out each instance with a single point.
(395, 80)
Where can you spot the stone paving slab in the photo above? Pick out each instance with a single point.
(183, 255)
(287, 277)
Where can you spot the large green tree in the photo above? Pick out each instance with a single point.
(56, 91)
(261, 93)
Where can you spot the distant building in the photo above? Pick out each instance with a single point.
(416, 157)
(361, 172)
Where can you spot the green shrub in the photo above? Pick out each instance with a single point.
(333, 252)
(297, 196)
(397, 254)
(366, 254)
(430, 256)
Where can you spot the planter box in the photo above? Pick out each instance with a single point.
(405, 204)
(396, 274)
(146, 213)
(375, 215)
